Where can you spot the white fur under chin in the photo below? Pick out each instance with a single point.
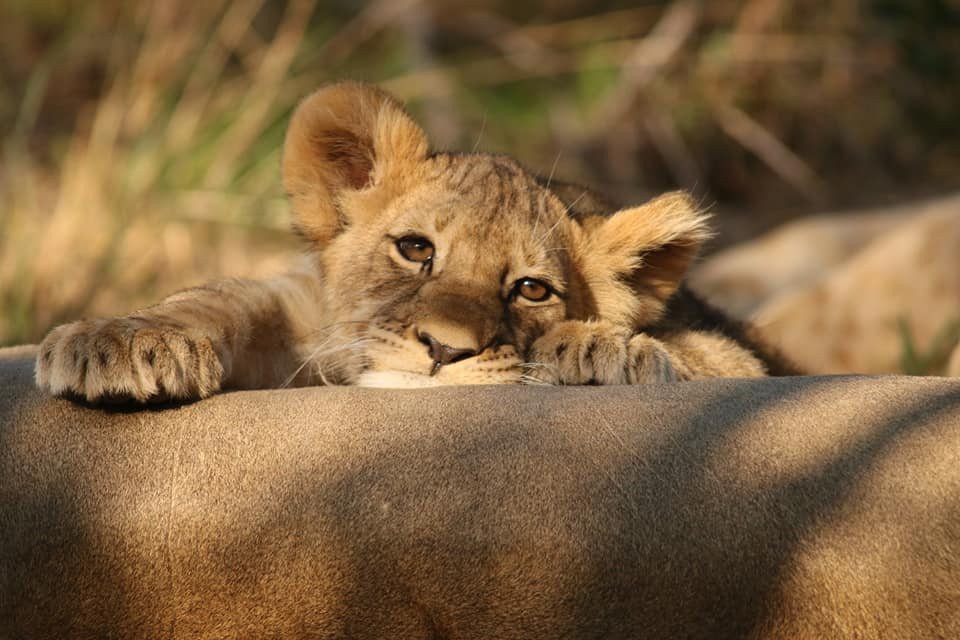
(396, 380)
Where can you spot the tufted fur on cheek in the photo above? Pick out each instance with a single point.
(349, 149)
(635, 260)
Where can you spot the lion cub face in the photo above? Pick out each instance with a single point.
(444, 268)
(455, 278)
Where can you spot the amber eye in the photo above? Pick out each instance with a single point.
(532, 290)
(415, 249)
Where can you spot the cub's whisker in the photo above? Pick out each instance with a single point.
(575, 201)
(529, 376)
(324, 350)
(546, 234)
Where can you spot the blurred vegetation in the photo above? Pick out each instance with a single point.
(141, 140)
(915, 361)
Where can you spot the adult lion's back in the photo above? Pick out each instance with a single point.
(775, 508)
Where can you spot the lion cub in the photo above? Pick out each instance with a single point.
(425, 268)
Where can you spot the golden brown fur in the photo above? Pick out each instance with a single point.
(420, 273)
(776, 508)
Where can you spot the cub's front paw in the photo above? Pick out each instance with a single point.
(577, 352)
(649, 361)
(128, 359)
(598, 352)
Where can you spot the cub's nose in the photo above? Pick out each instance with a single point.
(443, 353)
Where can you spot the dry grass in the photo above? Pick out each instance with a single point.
(163, 185)
(143, 146)
(931, 361)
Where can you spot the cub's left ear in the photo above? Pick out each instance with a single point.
(636, 259)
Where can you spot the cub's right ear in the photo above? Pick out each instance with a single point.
(345, 139)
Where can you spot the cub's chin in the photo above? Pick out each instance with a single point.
(397, 380)
(499, 370)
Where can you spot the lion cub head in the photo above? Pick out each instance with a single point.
(443, 268)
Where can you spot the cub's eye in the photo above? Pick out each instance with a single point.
(532, 290)
(415, 249)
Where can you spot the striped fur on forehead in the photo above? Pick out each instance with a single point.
(501, 183)
(514, 207)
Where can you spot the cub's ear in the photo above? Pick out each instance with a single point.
(345, 139)
(637, 258)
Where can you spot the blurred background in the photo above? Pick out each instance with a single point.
(141, 140)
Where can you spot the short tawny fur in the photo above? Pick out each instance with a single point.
(361, 177)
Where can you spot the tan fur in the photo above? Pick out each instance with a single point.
(743, 277)
(835, 290)
(851, 319)
(360, 177)
(796, 508)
